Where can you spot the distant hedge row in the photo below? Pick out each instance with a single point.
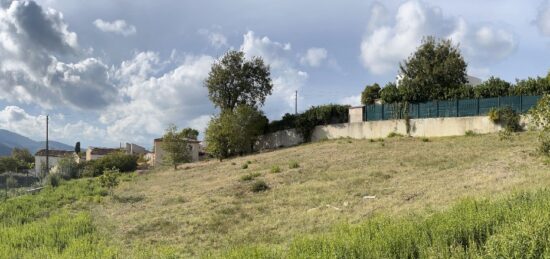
(305, 122)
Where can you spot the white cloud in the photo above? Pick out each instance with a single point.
(40, 61)
(543, 18)
(118, 27)
(314, 57)
(286, 77)
(389, 42)
(216, 38)
(354, 100)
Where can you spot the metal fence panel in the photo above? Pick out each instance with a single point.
(374, 112)
(513, 102)
(447, 108)
(528, 102)
(452, 108)
(392, 111)
(486, 104)
(468, 107)
(427, 110)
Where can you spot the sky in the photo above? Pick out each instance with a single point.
(112, 71)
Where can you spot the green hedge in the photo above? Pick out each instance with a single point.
(305, 122)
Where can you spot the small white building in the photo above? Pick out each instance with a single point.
(54, 157)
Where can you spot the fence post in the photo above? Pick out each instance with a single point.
(437, 108)
(477, 107)
(498, 103)
(382, 114)
(456, 107)
(521, 104)
(418, 110)
(364, 113)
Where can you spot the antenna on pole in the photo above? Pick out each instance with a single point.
(296, 102)
(47, 146)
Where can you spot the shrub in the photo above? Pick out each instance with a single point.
(11, 182)
(293, 164)
(506, 117)
(425, 140)
(109, 179)
(118, 160)
(259, 186)
(53, 180)
(470, 133)
(68, 168)
(245, 166)
(275, 169)
(540, 116)
(394, 135)
(544, 143)
(250, 177)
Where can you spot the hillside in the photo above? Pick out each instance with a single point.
(206, 206)
(209, 208)
(10, 140)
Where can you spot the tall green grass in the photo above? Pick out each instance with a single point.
(515, 227)
(53, 224)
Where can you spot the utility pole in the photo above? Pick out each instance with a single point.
(296, 102)
(47, 146)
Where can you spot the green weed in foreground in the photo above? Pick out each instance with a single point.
(46, 225)
(516, 227)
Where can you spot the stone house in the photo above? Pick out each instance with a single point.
(158, 157)
(93, 153)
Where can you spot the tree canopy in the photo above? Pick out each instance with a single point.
(433, 72)
(370, 94)
(235, 81)
(190, 133)
(235, 132)
(175, 145)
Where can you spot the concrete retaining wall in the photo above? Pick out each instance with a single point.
(431, 127)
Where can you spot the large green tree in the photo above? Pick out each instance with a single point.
(234, 132)
(190, 133)
(433, 72)
(234, 81)
(175, 145)
(370, 94)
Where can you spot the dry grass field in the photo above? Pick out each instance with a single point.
(208, 207)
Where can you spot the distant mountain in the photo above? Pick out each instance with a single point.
(10, 140)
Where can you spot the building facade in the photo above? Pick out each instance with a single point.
(53, 158)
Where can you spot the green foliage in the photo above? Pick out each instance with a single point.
(68, 168)
(275, 169)
(320, 115)
(176, 146)
(470, 133)
(394, 135)
(259, 186)
(493, 87)
(44, 226)
(244, 166)
(425, 139)
(305, 122)
(506, 117)
(390, 94)
(8, 164)
(53, 180)
(118, 160)
(109, 179)
(515, 227)
(234, 81)
(370, 94)
(540, 117)
(532, 86)
(250, 177)
(293, 165)
(190, 133)
(23, 157)
(433, 72)
(234, 132)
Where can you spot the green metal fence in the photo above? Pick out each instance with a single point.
(451, 108)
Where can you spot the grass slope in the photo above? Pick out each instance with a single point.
(209, 207)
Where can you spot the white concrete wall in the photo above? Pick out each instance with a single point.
(40, 161)
(282, 138)
(355, 114)
(430, 127)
